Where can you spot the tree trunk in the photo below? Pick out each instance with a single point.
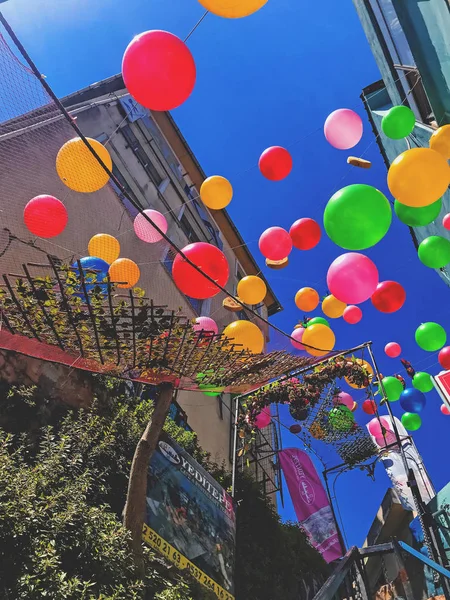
(134, 513)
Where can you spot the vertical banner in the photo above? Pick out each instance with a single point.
(310, 502)
(395, 469)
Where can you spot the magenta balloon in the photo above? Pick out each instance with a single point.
(275, 243)
(393, 349)
(345, 399)
(263, 418)
(386, 440)
(352, 278)
(205, 324)
(343, 128)
(297, 334)
(446, 221)
(374, 426)
(352, 314)
(145, 230)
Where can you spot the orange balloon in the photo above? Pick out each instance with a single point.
(307, 299)
(440, 141)
(332, 307)
(418, 177)
(321, 337)
(125, 271)
(369, 370)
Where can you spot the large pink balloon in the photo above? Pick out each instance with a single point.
(205, 324)
(263, 418)
(297, 334)
(275, 243)
(352, 278)
(145, 230)
(390, 439)
(352, 314)
(343, 128)
(393, 349)
(374, 426)
(345, 399)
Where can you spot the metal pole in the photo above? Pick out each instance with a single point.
(338, 529)
(233, 473)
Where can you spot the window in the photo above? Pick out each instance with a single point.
(141, 155)
(215, 235)
(188, 230)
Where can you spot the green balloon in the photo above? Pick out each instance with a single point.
(341, 418)
(398, 123)
(430, 336)
(423, 382)
(317, 321)
(434, 251)
(393, 388)
(357, 217)
(417, 217)
(411, 421)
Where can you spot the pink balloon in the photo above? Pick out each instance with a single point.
(297, 334)
(275, 243)
(444, 410)
(345, 399)
(343, 128)
(390, 439)
(446, 221)
(374, 426)
(393, 349)
(263, 418)
(145, 230)
(352, 278)
(205, 324)
(352, 314)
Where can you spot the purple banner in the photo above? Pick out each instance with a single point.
(310, 502)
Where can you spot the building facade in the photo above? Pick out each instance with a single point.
(158, 170)
(410, 42)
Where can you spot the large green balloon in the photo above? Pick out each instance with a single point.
(393, 388)
(423, 382)
(411, 421)
(341, 418)
(317, 321)
(434, 251)
(357, 217)
(430, 336)
(398, 123)
(417, 217)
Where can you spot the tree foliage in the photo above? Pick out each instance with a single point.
(63, 491)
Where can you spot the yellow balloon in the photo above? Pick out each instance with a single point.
(251, 289)
(125, 271)
(247, 334)
(104, 246)
(216, 192)
(232, 9)
(369, 370)
(321, 337)
(418, 177)
(440, 141)
(307, 299)
(332, 307)
(79, 169)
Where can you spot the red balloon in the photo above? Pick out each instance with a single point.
(158, 70)
(275, 243)
(275, 163)
(393, 349)
(45, 216)
(305, 234)
(211, 261)
(352, 315)
(444, 358)
(444, 410)
(446, 221)
(369, 407)
(389, 296)
(296, 428)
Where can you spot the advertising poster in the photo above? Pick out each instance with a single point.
(190, 518)
(310, 502)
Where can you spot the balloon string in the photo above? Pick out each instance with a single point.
(195, 27)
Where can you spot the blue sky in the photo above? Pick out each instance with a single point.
(269, 79)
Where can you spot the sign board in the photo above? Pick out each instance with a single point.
(190, 518)
(133, 110)
(442, 384)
